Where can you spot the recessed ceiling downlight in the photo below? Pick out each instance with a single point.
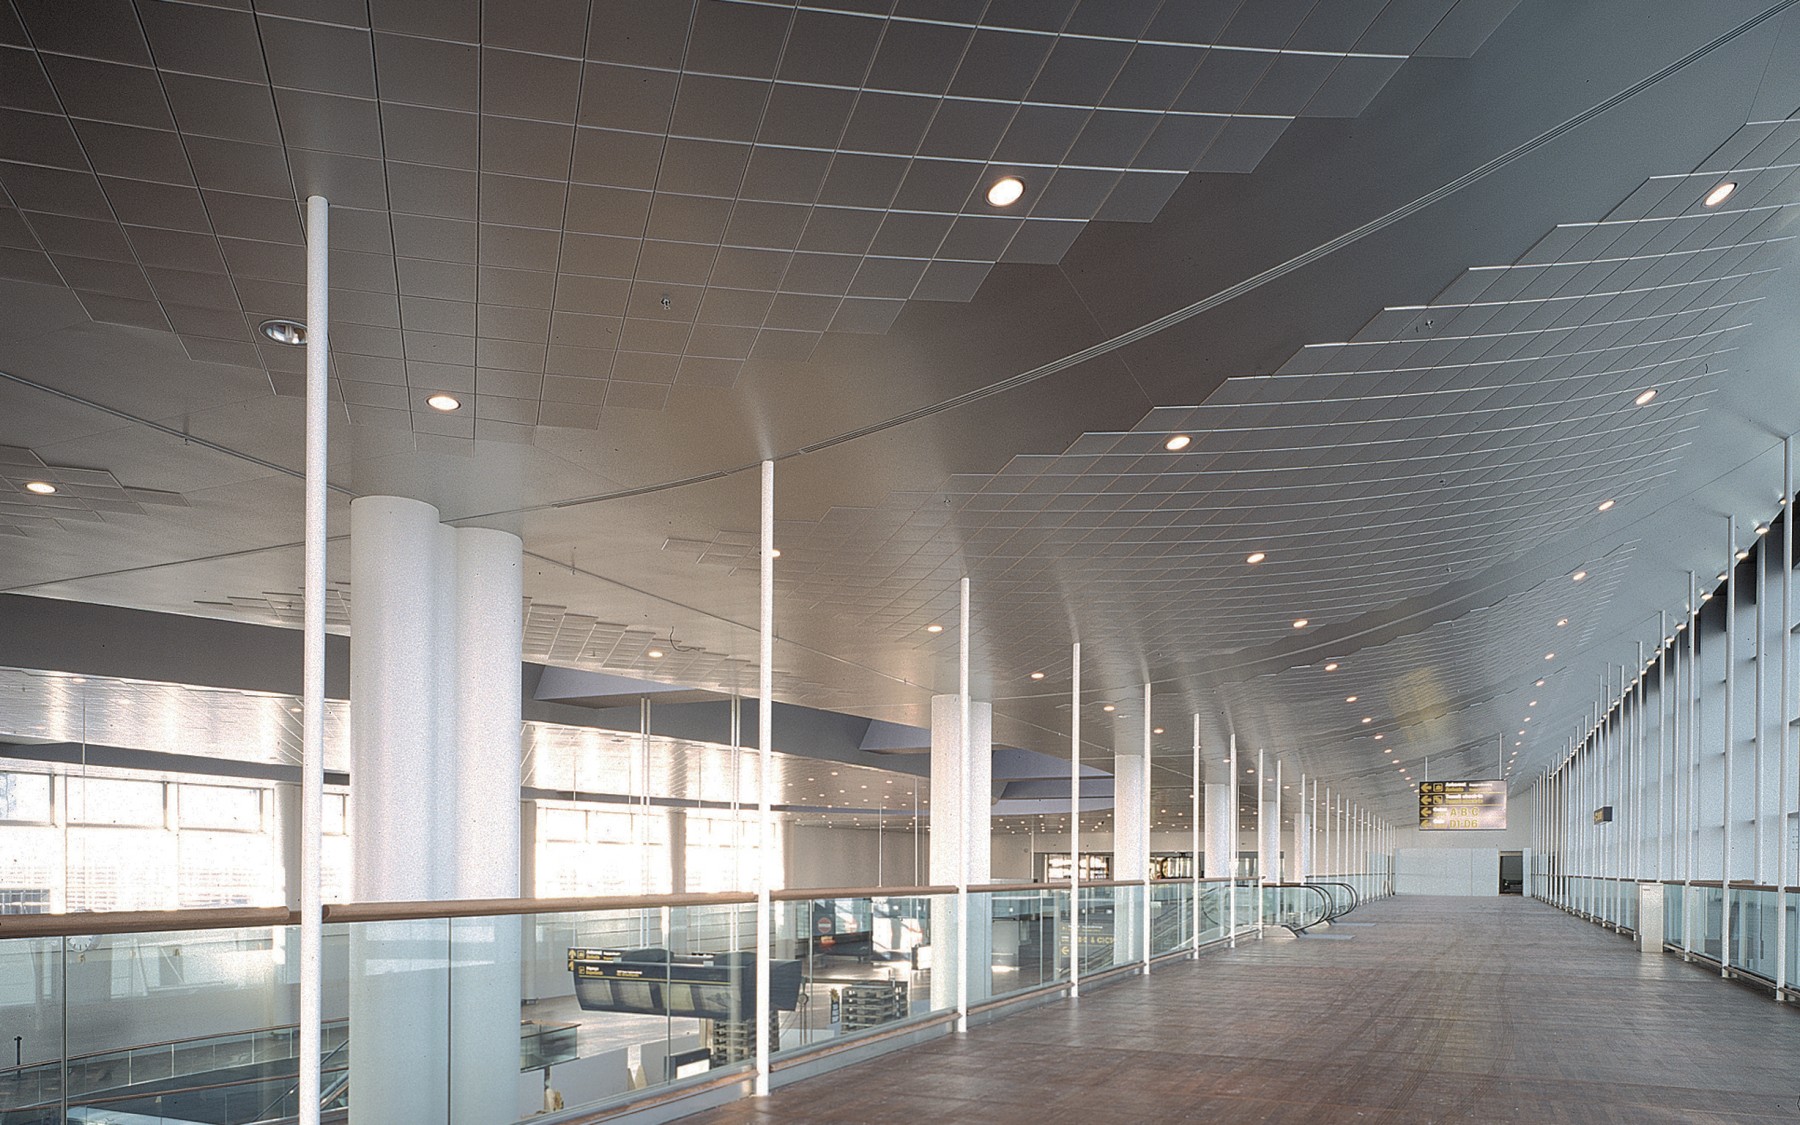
(1644, 397)
(1255, 557)
(1606, 505)
(289, 332)
(444, 402)
(1178, 443)
(41, 487)
(1006, 191)
(1719, 194)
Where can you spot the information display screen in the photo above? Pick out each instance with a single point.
(1454, 805)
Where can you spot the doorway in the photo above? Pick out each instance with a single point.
(1512, 873)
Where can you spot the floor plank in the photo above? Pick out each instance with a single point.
(1492, 1010)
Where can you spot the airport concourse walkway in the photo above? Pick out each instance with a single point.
(1491, 1010)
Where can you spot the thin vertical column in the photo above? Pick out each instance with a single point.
(1194, 866)
(1262, 838)
(1759, 872)
(1637, 769)
(1787, 715)
(765, 744)
(1662, 727)
(1075, 821)
(1692, 802)
(1231, 857)
(963, 927)
(1325, 836)
(1729, 730)
(312, 690)
(1147, 821)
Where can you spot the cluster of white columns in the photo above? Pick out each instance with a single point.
(434, 763)
(1684, 773)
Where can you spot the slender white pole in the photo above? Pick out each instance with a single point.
(312, 689)
(1232, 850)
(1691, 803)
(1145, 823)
(1194, 834)
(1662, 729)
(1726, 795)
(1759, 871)
(1075, 822)
(765, 719)
(1787, 716)
(963, 928)
(1262, 838)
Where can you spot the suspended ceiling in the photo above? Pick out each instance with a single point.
(646, 241)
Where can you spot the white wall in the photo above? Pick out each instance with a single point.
(848, 857)
(1464, 872)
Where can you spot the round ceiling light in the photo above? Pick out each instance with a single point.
(1578, 576)
(934, 628)
(1605, 506)
(41, 487)
(1300, 624)
(1349, 699)
(1332, 667)
(1178, 443)
(444, 402)
(1109, 708)
(1719, 194)
(1255, 557)
(1037, 675)
(655, 654)
(1644, 397)
(289, 332)
(1006, 191)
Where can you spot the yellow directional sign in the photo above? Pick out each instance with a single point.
(1454, 805)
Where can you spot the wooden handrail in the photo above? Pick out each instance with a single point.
(501, 907)
(801, 894)
(143, 921)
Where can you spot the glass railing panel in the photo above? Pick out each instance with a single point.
(1029, 940)
(1171, 917)
(613, 1002)
(1674, 915)
(1754, 918)
(1098, 932)
(1212, 912)
(31, 1006)
(885, 959)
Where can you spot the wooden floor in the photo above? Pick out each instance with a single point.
(1490, 1010)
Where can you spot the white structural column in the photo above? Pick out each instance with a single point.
(1261, 837)
(435, 717)
(487, 602)
(1221, 823)
(1231, 822)
(312, 691)
(1194, 845)
(1783, 725)
(961, 804)
(765, 744)
(1726, 794)
(1131, 833)
(1302, 836)
(1075, 821)
(1148, 774)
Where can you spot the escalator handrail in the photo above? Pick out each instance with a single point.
(1354, 901)
(1325, 898)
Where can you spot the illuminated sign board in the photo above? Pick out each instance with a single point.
(1457, 805)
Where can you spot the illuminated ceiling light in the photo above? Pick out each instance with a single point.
(1006, 191)
(774, 552)
(1386, 750)
(444, 402)
(1368, 718)
(1643, 398)
(1762, 529)
(1539, 683)
(1300, 624)
(1719, 194)
(289, 332)
(1379, 737)
(41, 487)
(1037, 675)
(1332, 667)
(1109, 708)
(1549, 656)
(1533, 703)
(1156, 730)
(1742, 555)
(1177, 443)
(934, 628)
(1606, 505)
(655, 654)
(1561, 621)
(1578, 576)
(1255, 557)
(1350, 699)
